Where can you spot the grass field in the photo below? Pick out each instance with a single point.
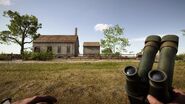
(72, 83)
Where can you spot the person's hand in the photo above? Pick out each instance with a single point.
(37, 99)
(179, 98)
(153, 100)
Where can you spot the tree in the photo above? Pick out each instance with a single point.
(113, 41)
(21, 30)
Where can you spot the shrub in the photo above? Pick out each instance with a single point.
(5, 56)
(116, 54)
(27, 55)
(43, 56)
(180, 57)
(107, 52)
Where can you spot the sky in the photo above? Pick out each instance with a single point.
(139, 18)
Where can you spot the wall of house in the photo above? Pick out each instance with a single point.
(43, 47)
(91, 50)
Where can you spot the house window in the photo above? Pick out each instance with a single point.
(68, 49)
(37, 49)
(49, 49)
(59, 49)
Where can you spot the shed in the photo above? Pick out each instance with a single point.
(91, 48)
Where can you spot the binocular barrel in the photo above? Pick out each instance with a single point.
(141, 81)
(131, 87)
(152, 44)
(162, 89)
(168, 50)
(137, 84)
(158, 85)
(131, 80)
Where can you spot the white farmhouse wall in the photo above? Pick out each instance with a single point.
(43, 47)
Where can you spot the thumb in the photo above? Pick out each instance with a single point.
(153, 100)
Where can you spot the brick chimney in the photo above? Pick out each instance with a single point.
(76, 31)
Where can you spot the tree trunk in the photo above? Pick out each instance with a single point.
(22, 44)
(22, 49)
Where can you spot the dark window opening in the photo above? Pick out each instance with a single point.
(68, 49)
(49, 49)
(59, 49)
(36, 49)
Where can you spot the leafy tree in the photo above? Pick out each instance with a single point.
(113, 41)
(107, 51)
(21, 30)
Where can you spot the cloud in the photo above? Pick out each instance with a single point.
(5, 2)
(101, 27)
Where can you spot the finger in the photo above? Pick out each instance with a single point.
(24, 101)
(48, 99)
(153, 100)
(178, 91)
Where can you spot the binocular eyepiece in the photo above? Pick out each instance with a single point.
(158, 86)
(143, 80)
(157, 76)
(130, 71)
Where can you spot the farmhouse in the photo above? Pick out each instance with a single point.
(59, 45)
(91, 48)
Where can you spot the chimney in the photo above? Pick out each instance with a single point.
(76, 31)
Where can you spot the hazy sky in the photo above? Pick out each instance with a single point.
(139, 18)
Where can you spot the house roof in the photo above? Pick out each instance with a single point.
(91, 44)
(56, 38)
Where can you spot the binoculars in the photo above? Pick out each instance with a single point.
(143, 80)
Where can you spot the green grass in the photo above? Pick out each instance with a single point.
(74, 83)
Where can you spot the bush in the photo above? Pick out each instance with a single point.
(180, 57)
(43, 56)
(117, 54)
(27, 55)
(4, 57)
(107, 52)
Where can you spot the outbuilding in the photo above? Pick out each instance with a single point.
(91, 48)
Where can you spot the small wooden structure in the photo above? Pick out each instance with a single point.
(91, 48)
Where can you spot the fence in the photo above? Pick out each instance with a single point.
(80, 56)
(103, 56)
(10, 56)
